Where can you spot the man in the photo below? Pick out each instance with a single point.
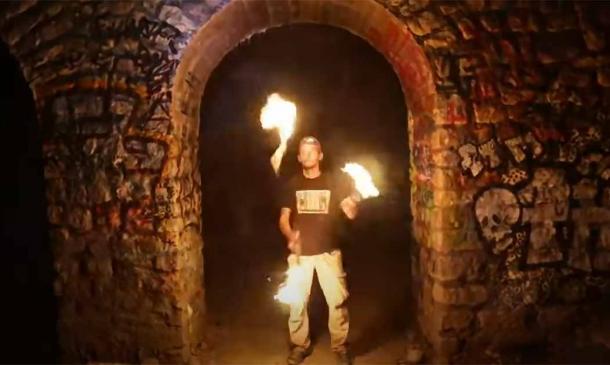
(311, 205)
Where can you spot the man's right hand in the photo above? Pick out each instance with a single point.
(294, 243)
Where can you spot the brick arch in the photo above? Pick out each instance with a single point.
(240, 19)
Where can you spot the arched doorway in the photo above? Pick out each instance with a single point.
(239, 20)
(350, 98)
(27, 264)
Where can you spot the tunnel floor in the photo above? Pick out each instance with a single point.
(246, 326)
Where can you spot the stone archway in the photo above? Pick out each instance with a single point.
(240, 19)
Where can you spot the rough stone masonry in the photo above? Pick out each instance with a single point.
(510, 163)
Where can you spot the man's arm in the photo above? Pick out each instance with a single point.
(349, 206)
(292, 236)
(285, 223)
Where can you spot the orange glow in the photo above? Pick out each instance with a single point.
(290, 291)
(362, 179)
(279, 114)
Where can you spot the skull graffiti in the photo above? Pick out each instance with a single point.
(497, 210)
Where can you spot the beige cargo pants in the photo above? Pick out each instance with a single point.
(332, 278)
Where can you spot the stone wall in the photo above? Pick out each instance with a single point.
(509, 152)
(125, 223)
(517, 165)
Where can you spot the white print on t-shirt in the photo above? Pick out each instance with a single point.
(313, 201)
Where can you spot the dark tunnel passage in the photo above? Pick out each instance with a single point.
(29, 313)
(349, 97)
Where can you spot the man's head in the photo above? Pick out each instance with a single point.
(310, 152)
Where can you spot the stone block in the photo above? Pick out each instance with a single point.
(503, 328)
(520, 21)
(445, 159)
(601, 260)
(489, 113)
(560, 21)
(79, 218)
(475, 5)
(444, 138)
(459, 266)
(457, 319)
(467, 28)
(450, 110)
(445, 179)
(572, 291)
(448, 198)
(468, 64)
(444, 39)
(467, 295)
(87, 106)
(55, 214)
(558, 318)
(465, 238)
(578, 79)
(603, 77)
(451, 217)
(491, 22)
(595, 40)
(557, 47)
(424, 23)
(414, 5)
(498, 4)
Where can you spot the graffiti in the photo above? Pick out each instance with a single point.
(556, 193)
(477, 158)
(450, 111)
(514, 176)
(531, 287)
(595, 163)
(552, 206)
(547, 198)
(471, 159)
(520, 147)
(497, 210)
(540, 205)
(591, 217)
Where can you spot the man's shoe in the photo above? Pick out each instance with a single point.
(298, 354)
(343, 358)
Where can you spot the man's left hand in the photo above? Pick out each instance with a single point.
(350, 207)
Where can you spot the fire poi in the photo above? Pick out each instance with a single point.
(279, 114)
(362, 180)
(288, 293)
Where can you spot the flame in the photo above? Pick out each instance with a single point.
(289, 291)
(362, 179)
(279, 114)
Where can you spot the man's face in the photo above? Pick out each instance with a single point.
(310, 155)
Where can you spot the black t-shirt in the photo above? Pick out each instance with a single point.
(315, 209)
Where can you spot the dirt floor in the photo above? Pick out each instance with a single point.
(249, 327)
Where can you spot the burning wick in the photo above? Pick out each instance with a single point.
(289, 292)
(280, 114)
(362, 179)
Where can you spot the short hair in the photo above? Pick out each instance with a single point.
(310, 140)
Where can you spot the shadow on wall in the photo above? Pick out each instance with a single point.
(28, 313)
(349, 97)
